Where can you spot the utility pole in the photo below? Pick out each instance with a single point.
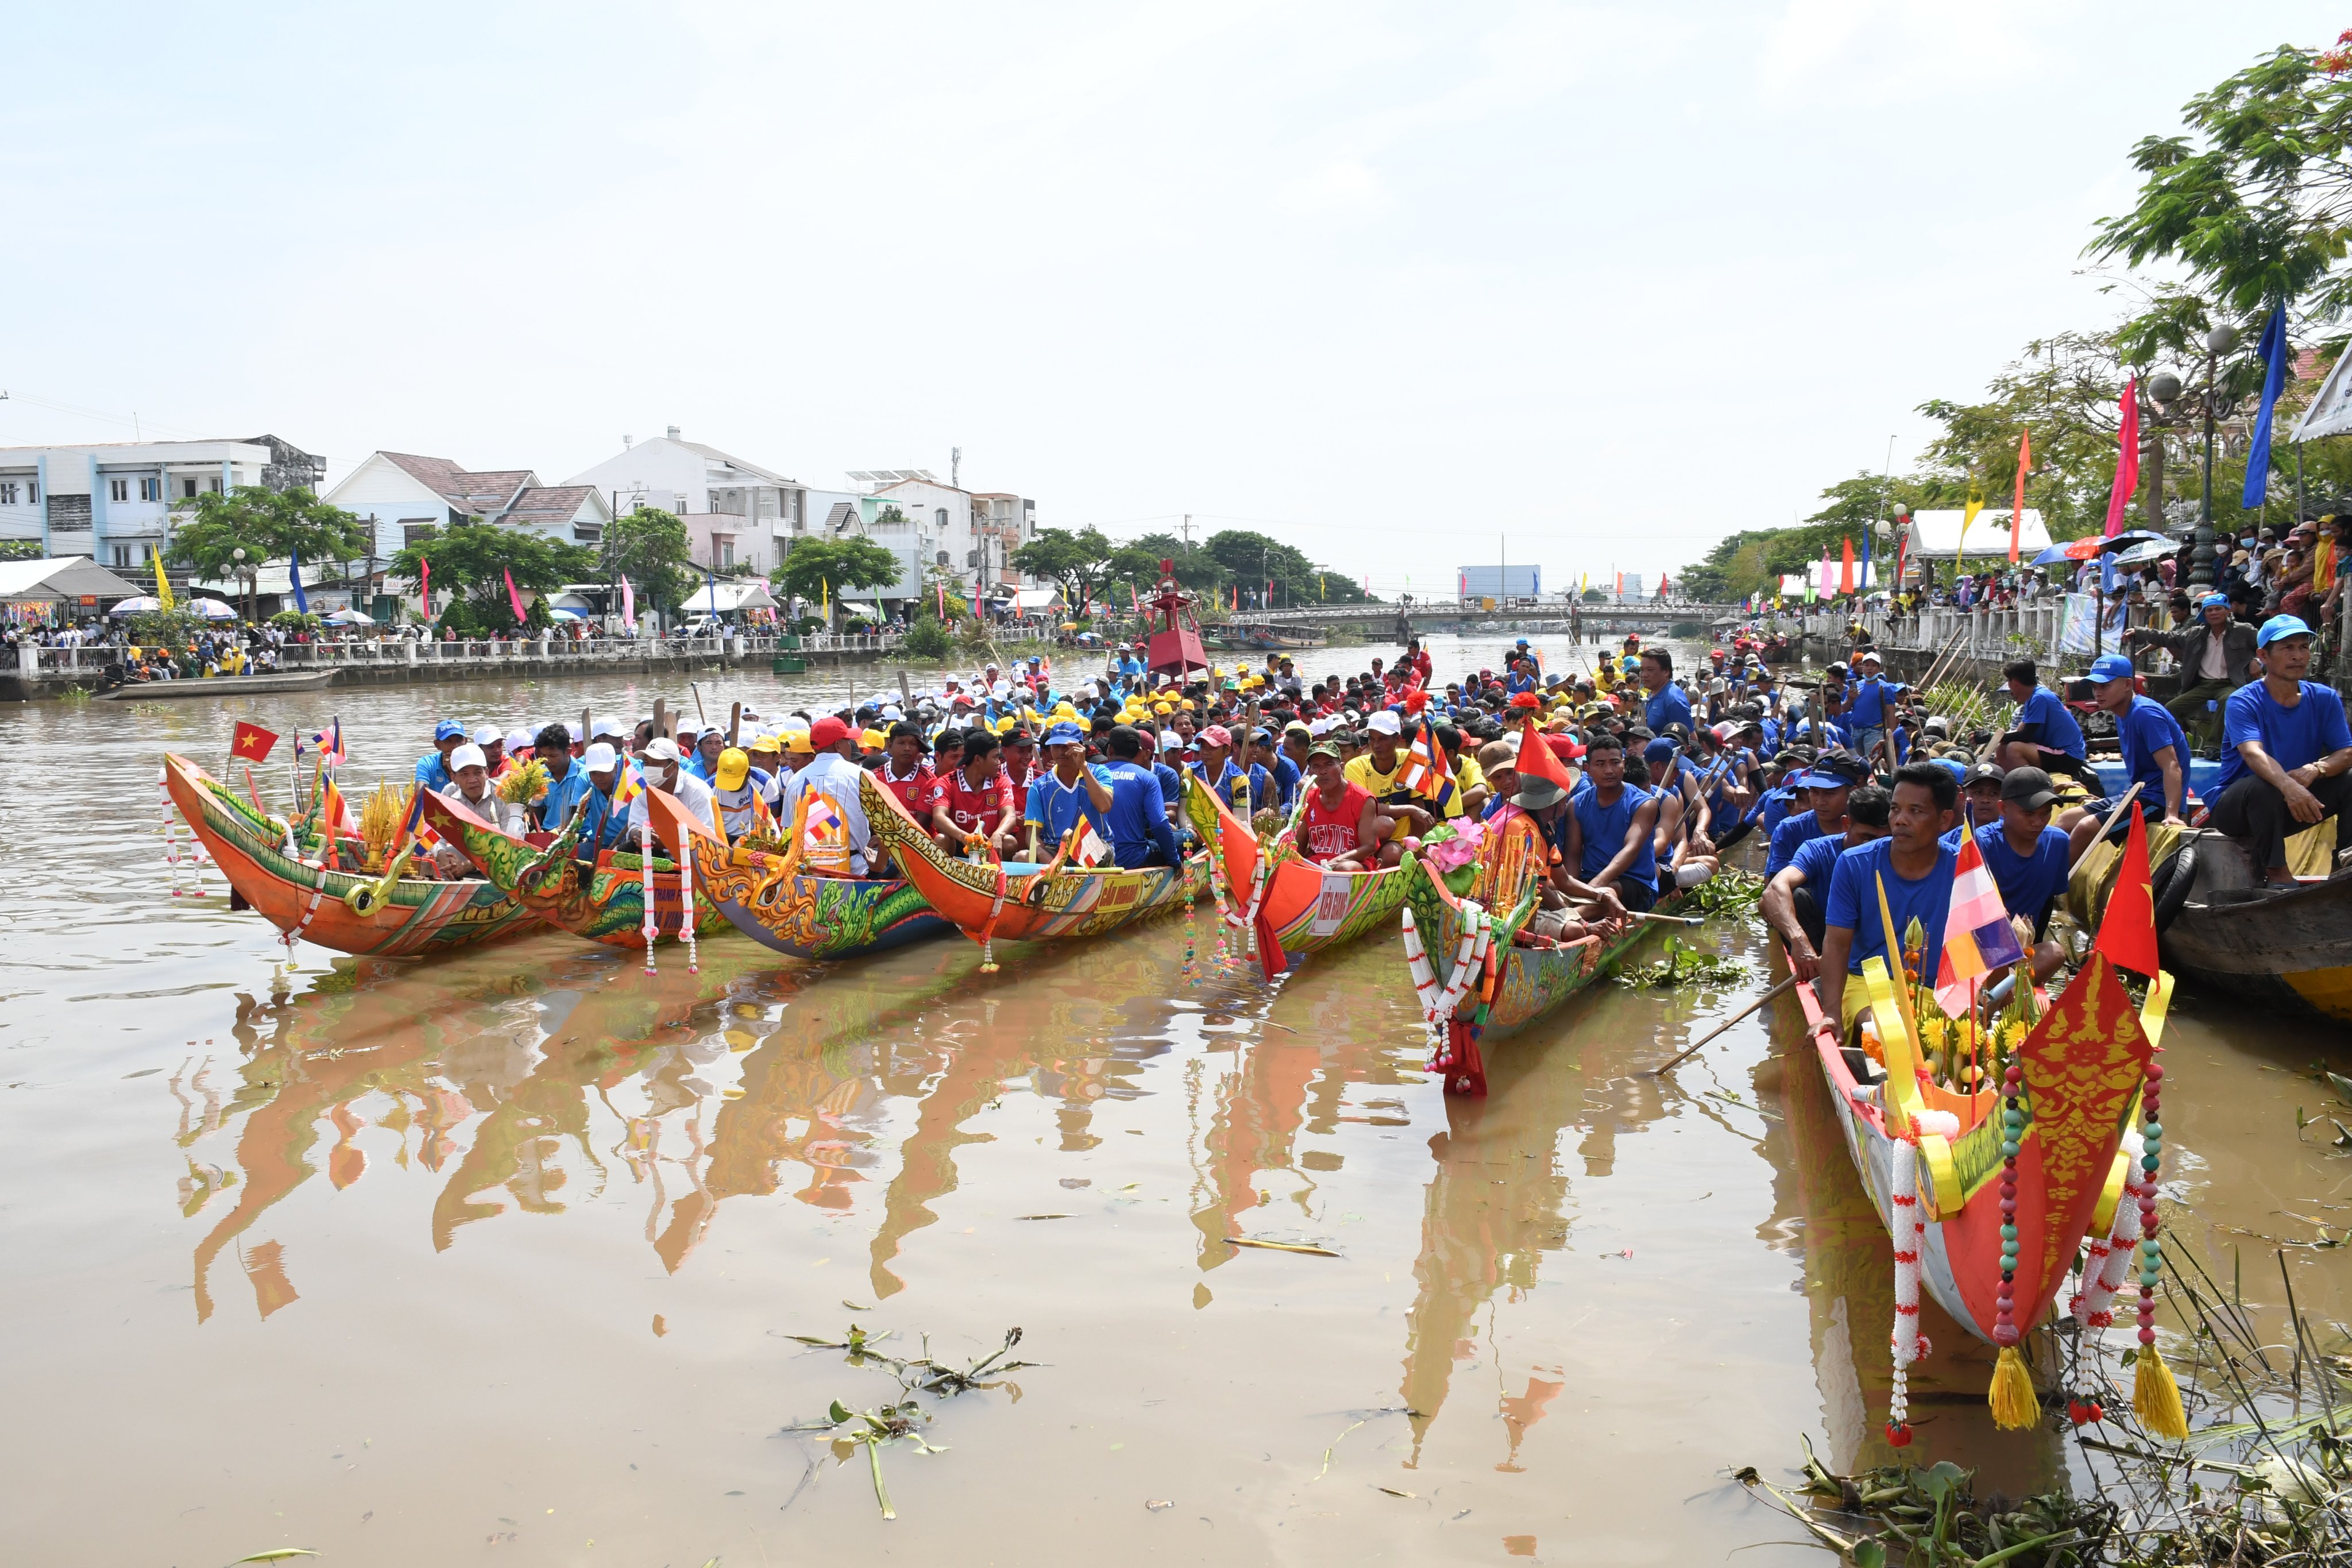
(1188, 530)
(955, 467)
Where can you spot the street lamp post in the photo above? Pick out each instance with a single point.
(237, 555)
(2218, 342)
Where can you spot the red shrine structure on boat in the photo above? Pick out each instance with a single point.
(1174, 647)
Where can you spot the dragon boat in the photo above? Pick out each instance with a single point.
(351, 911)
(1472, 980)
(801, 914)
(1990, 1195)
(606, 904)
(1292, 906)
(1021, 900)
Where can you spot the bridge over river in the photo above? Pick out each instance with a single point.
(1599, 621)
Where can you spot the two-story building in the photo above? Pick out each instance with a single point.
(405, 498)
(737, 513)
(113, 500)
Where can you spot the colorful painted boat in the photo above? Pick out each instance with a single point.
(1302, 908)
(414, 916)
(605, 903)
(2082, 1065)
(1506, 986)
(1020, 902)
(806, 916)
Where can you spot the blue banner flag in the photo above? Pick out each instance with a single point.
(2273, 352)
(294, 577)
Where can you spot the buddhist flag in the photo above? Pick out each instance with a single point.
(1422, 773)
(252, 743)
(2126, 478)
(2016, 506)
(1978, 938)
(2127, 929)
(1845, 568)
(162, 583)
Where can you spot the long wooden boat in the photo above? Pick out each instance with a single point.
(2291, 952)
(1020, 902)
(220, 686)
(1302, 908)
(305, 900)
(804, 916)
(1508, 986)
(605, 903)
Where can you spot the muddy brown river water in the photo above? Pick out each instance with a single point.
(494, 1257)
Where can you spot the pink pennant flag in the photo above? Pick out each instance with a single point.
(513, 597)
(1978, 938)
(628, 608)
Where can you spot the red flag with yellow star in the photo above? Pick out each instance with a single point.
(252, 743)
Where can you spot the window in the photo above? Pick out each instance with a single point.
(150, 489)
(118, 489)
(727, 553)
(414, 532)
(122, 555)
(943, 513)
(215, 485)
(33, 493)
(187, 490)
(7, 492)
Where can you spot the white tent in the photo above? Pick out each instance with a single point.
(728, 595)
(1937, 533)
(60, 577)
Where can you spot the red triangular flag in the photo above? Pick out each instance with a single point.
(1271, 960)
(2128, 929)
(1539, 761)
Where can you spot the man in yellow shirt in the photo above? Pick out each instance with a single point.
(1376, 773)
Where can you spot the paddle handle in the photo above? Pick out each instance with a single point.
(1669, 919)
(1720, 1028)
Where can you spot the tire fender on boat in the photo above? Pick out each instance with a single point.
(2172, 882)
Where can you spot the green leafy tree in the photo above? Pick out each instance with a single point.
(2255, 200)
(1080, 561)
(267, 525)
(475, 559)
(650, 548)
(1196, 569)
(819, 569)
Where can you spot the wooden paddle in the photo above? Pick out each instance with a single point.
(734, 723)
(1711, 1035)
(661, 716)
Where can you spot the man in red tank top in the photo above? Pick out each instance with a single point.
(1339, 827)
(974, 803)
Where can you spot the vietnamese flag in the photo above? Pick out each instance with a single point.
(2128, 928)
(1845, 569)
(252, 743)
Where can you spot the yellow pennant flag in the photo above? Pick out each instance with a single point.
(1967, 516)
(162, 583)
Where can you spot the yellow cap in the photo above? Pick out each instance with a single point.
(1163, 707)
(798, 742)
(734, 767)
(871, 740)
(1185, 703)
(1005, 725)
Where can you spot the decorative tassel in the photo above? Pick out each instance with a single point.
(2014, 1407)
(2156, 1397)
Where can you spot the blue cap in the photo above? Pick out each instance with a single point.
(1065, 734)
(1953, 765)
(2113, 667)
(2214, 601)
(1659, 750)
(2279, 627)
(450, 730)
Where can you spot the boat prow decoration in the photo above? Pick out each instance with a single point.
(606, 904)
(334, 908)
(1299, 907)
(1018, 901)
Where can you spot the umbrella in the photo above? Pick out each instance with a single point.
(1069, 625)
(2135, 536)
(350, 617)
(566, 613)
(137, 607)
(2073, 550)
(2147, 551)
(211, 609)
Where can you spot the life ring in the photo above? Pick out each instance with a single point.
(2173, 879)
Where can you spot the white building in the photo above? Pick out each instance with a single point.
(972, 535)
(736, 512)
(406, 498)
(112, 501)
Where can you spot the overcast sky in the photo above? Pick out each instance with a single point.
(1406, 286)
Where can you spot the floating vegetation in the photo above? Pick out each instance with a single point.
(2265, 1479)
(1729, 892)
(902, 1419)
(1684, 965)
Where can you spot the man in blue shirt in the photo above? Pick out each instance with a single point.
(1914, 870)
(2284, 753)
(1829, 780)
(433, 767)
(2046, 735)
(1793, 905)
(1067, 793)
(1611, 828)
(2154, 748)
(1865, 707)
(2028, 858)
(1263, 754)
(566, 782)
(603, 820)
(1667, 703)
(1223, 775)
(1138, 814)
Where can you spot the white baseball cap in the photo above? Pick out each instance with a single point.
(488, 735)
(468, 756)
(606, 726)
(662, 748)
(1385, 722)
(519, 742)
(600, 758)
